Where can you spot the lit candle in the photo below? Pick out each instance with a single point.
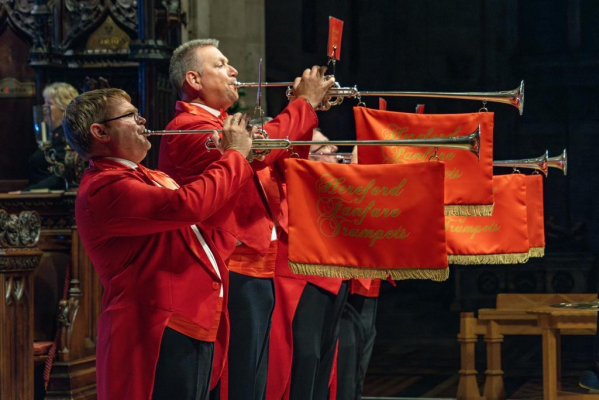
(44, 134)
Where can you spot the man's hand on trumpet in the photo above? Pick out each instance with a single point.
(235, 135)
(313, 85)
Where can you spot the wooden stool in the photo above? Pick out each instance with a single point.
(552, 321)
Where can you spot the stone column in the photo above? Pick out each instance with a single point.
(239, 26)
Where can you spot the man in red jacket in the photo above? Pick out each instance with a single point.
(249, 237)
(164, 301)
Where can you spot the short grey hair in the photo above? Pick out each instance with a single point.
(84, 110)
(184, 59)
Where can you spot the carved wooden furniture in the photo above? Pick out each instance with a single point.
(73, 374)
(18, 260)
(510, 317)
(553, 322)
(85, 43)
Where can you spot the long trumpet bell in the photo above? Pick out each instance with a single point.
(541, 163)
(336, 94)
(470, 142)
(559, 162)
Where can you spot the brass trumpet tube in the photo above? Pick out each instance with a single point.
(263, 84)
(344, 158)
(512, 97)
(539, 163)
(181, 132)
(470, 143)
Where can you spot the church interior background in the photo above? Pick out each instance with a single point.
(427, 45)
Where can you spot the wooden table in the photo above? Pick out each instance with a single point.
(509, 317)
(551, 321)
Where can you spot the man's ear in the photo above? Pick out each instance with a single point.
(99, 133)
(193, 80)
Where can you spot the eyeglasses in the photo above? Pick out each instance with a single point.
(138, 118)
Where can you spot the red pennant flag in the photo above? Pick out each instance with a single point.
(499, 239)
(335, 34)
(535, 215)
(366, 221)
(382, 104)
(468, 181)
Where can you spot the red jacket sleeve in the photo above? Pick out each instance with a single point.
(129, 207)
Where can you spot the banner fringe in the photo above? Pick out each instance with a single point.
(514, 258)
(339, 271)
(536, 252)
(469, 210)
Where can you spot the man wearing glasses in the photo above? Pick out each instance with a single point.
(160, 271)
(205, 82)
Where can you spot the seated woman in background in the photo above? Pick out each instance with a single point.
(57, 96)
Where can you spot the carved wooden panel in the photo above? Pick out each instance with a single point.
(125, 11)
(71, 41)
(18, 260)
(16, 145)
(19, 16)
(77, 315)
(16, 333)
(82, 15)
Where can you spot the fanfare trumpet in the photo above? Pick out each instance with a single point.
(541, 163)
(470, 142)
(264, 146)
(336, 94)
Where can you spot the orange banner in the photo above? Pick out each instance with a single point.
(366, 221)
(535, 215)
(468, 181)
(499, 239)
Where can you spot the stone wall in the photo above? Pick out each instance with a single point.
(239, 26)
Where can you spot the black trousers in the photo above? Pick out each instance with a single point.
(315, 332)
(184, 367)
(251, 303)
(357, 332)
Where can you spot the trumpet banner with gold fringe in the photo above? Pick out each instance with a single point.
(535, 215)
(499, 239)
(468, 181)
(366, 221)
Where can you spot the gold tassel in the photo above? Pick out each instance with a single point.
(339, 271)
(536, 252)
(469, 210)
(514, 258)
(437, 275)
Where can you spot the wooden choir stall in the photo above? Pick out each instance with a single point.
(51, 294)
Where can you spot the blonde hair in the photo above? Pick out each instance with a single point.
(61, 93)
(84, 110)
(186, 59)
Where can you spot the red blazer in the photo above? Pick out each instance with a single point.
(183, 157)
(150, 263)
